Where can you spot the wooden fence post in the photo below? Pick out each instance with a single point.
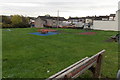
(97, 73)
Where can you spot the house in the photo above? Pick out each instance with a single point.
(81, 22)
(76, 19)
(76, 22)
(59, 21)
(44, 21)
(55, 21)
(48, 21)
(103, 18)
(112, 17)
(89, 19)
(32, 23)
(39, 22)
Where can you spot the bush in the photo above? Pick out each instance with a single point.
(21, 25)
(6, 26)
(16, 21)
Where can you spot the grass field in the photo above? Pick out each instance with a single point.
(30, 56)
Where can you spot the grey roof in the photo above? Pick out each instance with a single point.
(53, 18)
(112, 15)
(76, 18)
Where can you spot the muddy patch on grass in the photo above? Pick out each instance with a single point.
(110, 40)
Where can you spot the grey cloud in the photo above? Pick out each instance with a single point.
(68, 8)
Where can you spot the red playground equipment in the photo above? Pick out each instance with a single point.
(44, 31)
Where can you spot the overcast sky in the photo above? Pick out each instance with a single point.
(67, 8)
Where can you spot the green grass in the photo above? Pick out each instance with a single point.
(31, 56)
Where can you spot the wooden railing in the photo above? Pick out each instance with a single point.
(93, 64)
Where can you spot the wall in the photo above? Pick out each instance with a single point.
(106, 25)
(119, 15)
(49, 22)
(39, 23)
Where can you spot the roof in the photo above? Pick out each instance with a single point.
(44, 17)
(76, 18)
(100, 17)
(112, 15)
(97, 18)
(60, 18)
(90, 17)
(104, 16)
(31, 18)
(50, 17)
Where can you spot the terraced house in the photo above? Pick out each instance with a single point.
(48, 21)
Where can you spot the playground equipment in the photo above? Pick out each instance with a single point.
(43, 31)
(93, 64)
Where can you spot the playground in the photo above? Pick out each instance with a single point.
(27, 55)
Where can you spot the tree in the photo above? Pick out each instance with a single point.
(47, 15)
(6, 20)
(16, 20)
(20, 21)
(25, 22)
